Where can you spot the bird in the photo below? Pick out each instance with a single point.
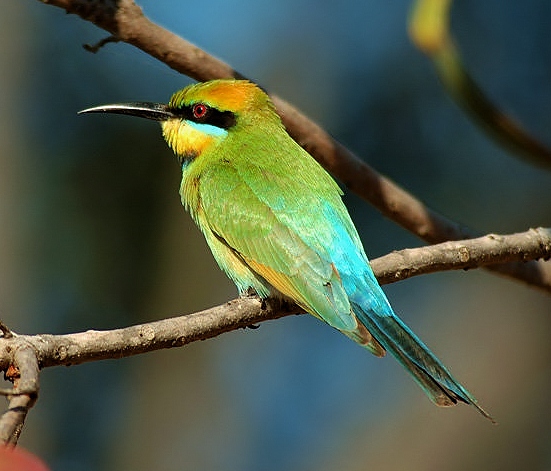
(276, 223)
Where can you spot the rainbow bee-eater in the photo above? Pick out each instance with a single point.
(275, 221)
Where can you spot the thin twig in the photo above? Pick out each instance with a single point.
(26, 364)
(6, 332)
(93, 48)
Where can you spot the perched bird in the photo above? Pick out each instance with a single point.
(275, 221)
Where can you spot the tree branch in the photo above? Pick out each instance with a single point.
(92, 345)
(21, 356)
(124, 20)
(472, 253)
(71, 349)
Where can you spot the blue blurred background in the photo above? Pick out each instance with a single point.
(92, 236)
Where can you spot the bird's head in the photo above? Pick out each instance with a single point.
(203, 115)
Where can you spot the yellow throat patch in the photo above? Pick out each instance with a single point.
(186, 139)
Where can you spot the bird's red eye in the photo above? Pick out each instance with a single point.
(199, 110)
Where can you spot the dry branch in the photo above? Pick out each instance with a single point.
(70, 349)
(23, 371)
(472, 253)
(25, 354)
(125, 21)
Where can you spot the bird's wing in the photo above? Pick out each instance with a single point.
(294, 231)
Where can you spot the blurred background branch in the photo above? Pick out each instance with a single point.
(429, 28)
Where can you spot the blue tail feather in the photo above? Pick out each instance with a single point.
(433, 377)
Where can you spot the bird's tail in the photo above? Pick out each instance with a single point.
(433, 377)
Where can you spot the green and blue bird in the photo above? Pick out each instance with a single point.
(275, 221)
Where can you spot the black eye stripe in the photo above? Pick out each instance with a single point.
(212, 116)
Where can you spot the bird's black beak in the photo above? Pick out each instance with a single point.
(154, 111)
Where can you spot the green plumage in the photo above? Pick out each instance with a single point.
(260, 200)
